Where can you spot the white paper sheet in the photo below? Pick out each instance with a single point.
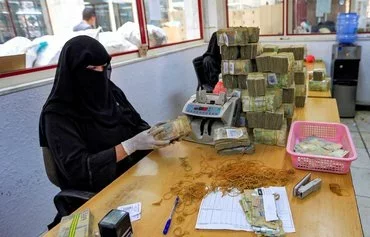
(133, 209)
(225, 213)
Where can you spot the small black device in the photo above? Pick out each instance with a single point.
(116, 223)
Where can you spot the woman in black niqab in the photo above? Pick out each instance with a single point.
(92, 131)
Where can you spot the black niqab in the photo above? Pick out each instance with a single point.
(85, 94)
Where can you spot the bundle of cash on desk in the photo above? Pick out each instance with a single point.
(318, 146)
(231, 140)
(174, 129)
(252, 204)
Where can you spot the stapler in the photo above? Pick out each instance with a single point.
(306, 186)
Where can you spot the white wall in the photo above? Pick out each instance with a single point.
(323, 49)
(157, 88)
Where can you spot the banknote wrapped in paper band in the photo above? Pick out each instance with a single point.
(279, 80)
(299, 51)
(174, 129)
(264, 61)
(236, 67)
(282, 62)
(318, 75)
(270, 48)
(289, 94)
(256, 83)
(250, 51)
(271, 137)
(230, 52)
(300, 76)
(232, 140)
(289, 110)
(319, 85)
(300, 90)
(300, 101)
(232, 36)
(270, 102)
(254, 34)
(266, 120)
(235, 81)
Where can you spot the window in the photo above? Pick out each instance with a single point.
(362, 8)
(43, 26)
(266, 14)
(315, 16)
(172, 21)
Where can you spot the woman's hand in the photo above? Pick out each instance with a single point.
(144, 141)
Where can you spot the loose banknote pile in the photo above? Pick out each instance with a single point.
(231, 140)
(174, 129)
(318, 146)
(253, 207)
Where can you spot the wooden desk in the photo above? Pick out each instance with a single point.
(317, 94)
(321, 214)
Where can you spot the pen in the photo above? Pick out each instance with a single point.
(168, 223)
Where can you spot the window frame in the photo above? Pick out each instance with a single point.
(200, 10)
(268, 35)
(143, 36)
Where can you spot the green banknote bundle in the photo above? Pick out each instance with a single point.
(298, 65)
(299, 51)
(254, 34)
(264, 61)
(271, 101)
(250, 51)
(271, 137)
(236, 67)
(282, 62)
(256, 84)
(300, 77)
(232, 140)
(229, 52)
(252, 205)
(279, 80)
(323, 85)
(300, 101)
(318, 75)
(289, 94)
(289, 110)
(266, 120)
(174, 129)
(235, 81)
(300, 90)
(270, 48)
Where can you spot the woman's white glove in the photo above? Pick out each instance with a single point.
(144, 141)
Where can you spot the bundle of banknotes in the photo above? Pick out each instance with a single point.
(301, 90)
(266, 120)
(236, 67)
(300, 77)
(270, 136)
(271, 101)
(250, 51)
(289, 94)
(235, 81)
(323, 85)
(174, 129)
(319, 146)
(254, 34)
(270, 48)
(232, 140)
(253, 207)
(256, 84)
(237, 36)
(279, 80)
(289, 110)
(264, 61)
(298, 65)
(300, 101)
(299, 51)
(230, 52)
(318, 75)
(282, 62)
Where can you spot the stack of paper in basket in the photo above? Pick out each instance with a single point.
(239, 48)
(230, 140)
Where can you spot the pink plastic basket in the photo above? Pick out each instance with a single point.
(335, 132)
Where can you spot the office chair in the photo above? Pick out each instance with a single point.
(199, 71)
(63, 199)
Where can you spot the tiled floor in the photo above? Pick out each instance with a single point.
(360, 169)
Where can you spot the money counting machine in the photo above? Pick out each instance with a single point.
(207, 112)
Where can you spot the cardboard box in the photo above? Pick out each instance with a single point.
(12, 63)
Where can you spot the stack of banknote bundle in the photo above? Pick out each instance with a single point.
(289, 94)
(236, 67)
(174, 129)
(323, 85)
(266, 120)
(254, 34)
(232, 140)
(279, 80)
(264, 61)
(318, 75)
(230, 52)
(250, 51)
(270, 48)
(271, 136)
(282, 63)
(299, 51)
(271, 101)
(256, 84)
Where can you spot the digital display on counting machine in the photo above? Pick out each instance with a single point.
(201, 108)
